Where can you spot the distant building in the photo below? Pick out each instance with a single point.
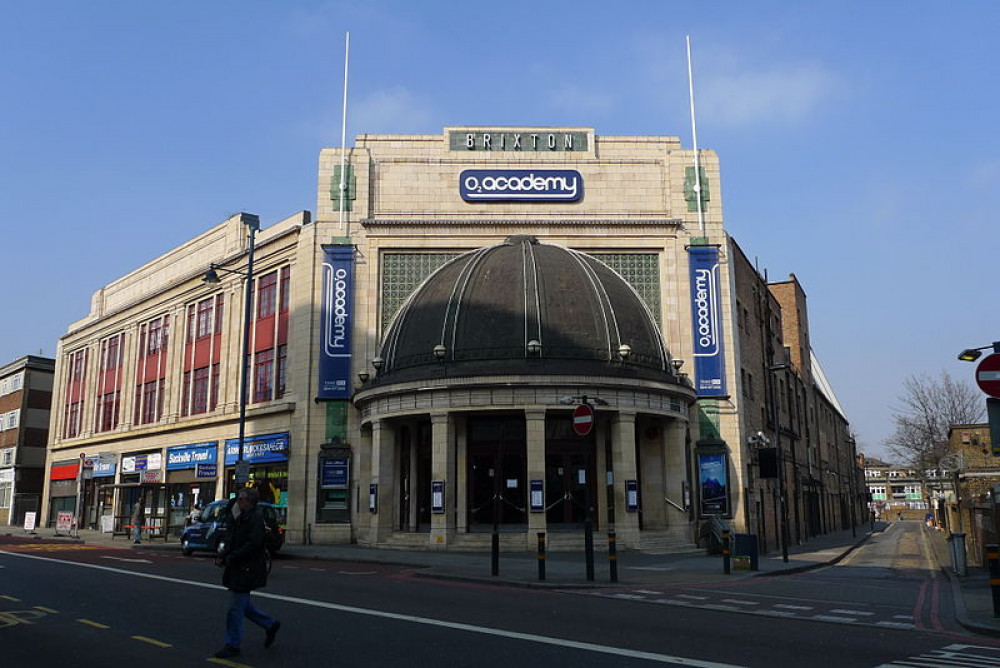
(894, 488)
(25, 397)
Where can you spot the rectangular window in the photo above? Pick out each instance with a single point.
(5, 491)
(205, 325)
(220, 300)
(213, 400)
(186, 394)
(112, 356)
(267, 289)
(152, 402)
(190, 323)
(199, 391)
(71, 427)
(153, 338)
(263, 376)
(279, 391)
(286, 281)
(8, 456)
(107, 411)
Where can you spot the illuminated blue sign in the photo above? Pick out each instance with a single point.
(258, 449)
(706, 321)
(521, 185)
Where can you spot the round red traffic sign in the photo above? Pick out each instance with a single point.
(583, 419)
(988, 375)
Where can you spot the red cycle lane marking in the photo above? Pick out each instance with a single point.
(918, 609)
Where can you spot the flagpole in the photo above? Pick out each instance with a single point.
(343, 138)
(694, 138)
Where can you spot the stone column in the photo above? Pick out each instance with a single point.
(534, 423)
(383, 474)
(443, 470)
(623, 460)
(674, 444)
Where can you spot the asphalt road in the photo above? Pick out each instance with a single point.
(74, 605)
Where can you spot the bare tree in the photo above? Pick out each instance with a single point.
(928, 408)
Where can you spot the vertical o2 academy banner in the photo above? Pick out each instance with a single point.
(336, 322)
(706, 320)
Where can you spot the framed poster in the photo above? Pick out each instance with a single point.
(713, 483)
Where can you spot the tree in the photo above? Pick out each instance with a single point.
(928, 408)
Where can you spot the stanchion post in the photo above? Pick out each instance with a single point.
(726, 560)
(993, 560)
(613, 556)
(541, 556)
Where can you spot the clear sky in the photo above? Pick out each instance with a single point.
(857, 140)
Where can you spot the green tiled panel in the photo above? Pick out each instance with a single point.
(642, 272)
(401, 274)
(689, 183)
(352, 187)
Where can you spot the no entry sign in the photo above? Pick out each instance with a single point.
(988, 375)
(583, 419)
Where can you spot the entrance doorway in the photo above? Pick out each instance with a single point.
(497, 473)
(570, 470)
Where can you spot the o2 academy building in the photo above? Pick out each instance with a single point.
(524, 328)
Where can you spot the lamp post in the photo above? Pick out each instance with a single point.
(241, 472)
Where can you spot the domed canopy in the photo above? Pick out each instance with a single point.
(522, 307)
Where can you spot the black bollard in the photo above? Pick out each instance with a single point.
(726, 565)
(993, 560)
(612, 556)
(541, 556)
(588, 538)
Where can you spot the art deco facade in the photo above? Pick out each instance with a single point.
(420, 347)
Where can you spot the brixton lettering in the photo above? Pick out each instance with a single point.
(498, 140)
(564, 185)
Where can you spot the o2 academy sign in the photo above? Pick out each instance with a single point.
(520, 185)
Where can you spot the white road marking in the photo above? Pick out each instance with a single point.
(426, 621)
(717, 606)
(739, 602)
(831, 618)
(693, 597)
(853, 612)
(786, 606)
(895, 625)
(902, 616)
(629, 597)
(131, 561)
(647, 591)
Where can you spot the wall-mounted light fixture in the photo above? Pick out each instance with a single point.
(440, 351)
(534, 347)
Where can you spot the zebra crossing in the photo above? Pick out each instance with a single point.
(770, 606)
(966, 656)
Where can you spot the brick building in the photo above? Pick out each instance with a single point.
(25, 396)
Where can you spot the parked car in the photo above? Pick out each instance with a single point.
(208, 532)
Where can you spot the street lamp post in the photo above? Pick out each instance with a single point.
(211, 276)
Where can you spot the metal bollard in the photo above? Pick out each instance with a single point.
(541, 556)
(993, 560)
(613, 556)
(726, 561)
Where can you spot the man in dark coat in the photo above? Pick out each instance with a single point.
(245, 570)
(138, 518)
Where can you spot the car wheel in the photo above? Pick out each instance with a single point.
(185, 550)
(267, 561)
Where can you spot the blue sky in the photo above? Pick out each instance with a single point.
(857, 140)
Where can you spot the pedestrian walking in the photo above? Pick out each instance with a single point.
(245, 570)
(899, 516)
(138, 518)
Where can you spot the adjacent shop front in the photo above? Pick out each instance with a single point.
(192, 471)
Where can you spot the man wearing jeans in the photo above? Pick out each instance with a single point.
(246, 570)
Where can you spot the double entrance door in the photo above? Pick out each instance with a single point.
(497, 473)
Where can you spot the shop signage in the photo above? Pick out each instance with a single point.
(713, 483)
(336, 322)
(189, 456)
(103, 469)
(206, 470)
(334, 472)
(706, 322)
(258, 449)
(505, 140)
(520, 185)
(64, 471)
(29, 520)
(64, 521)
(151, 477)
(150, 462)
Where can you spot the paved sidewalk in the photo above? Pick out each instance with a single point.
(972, 594)
(562, 569)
